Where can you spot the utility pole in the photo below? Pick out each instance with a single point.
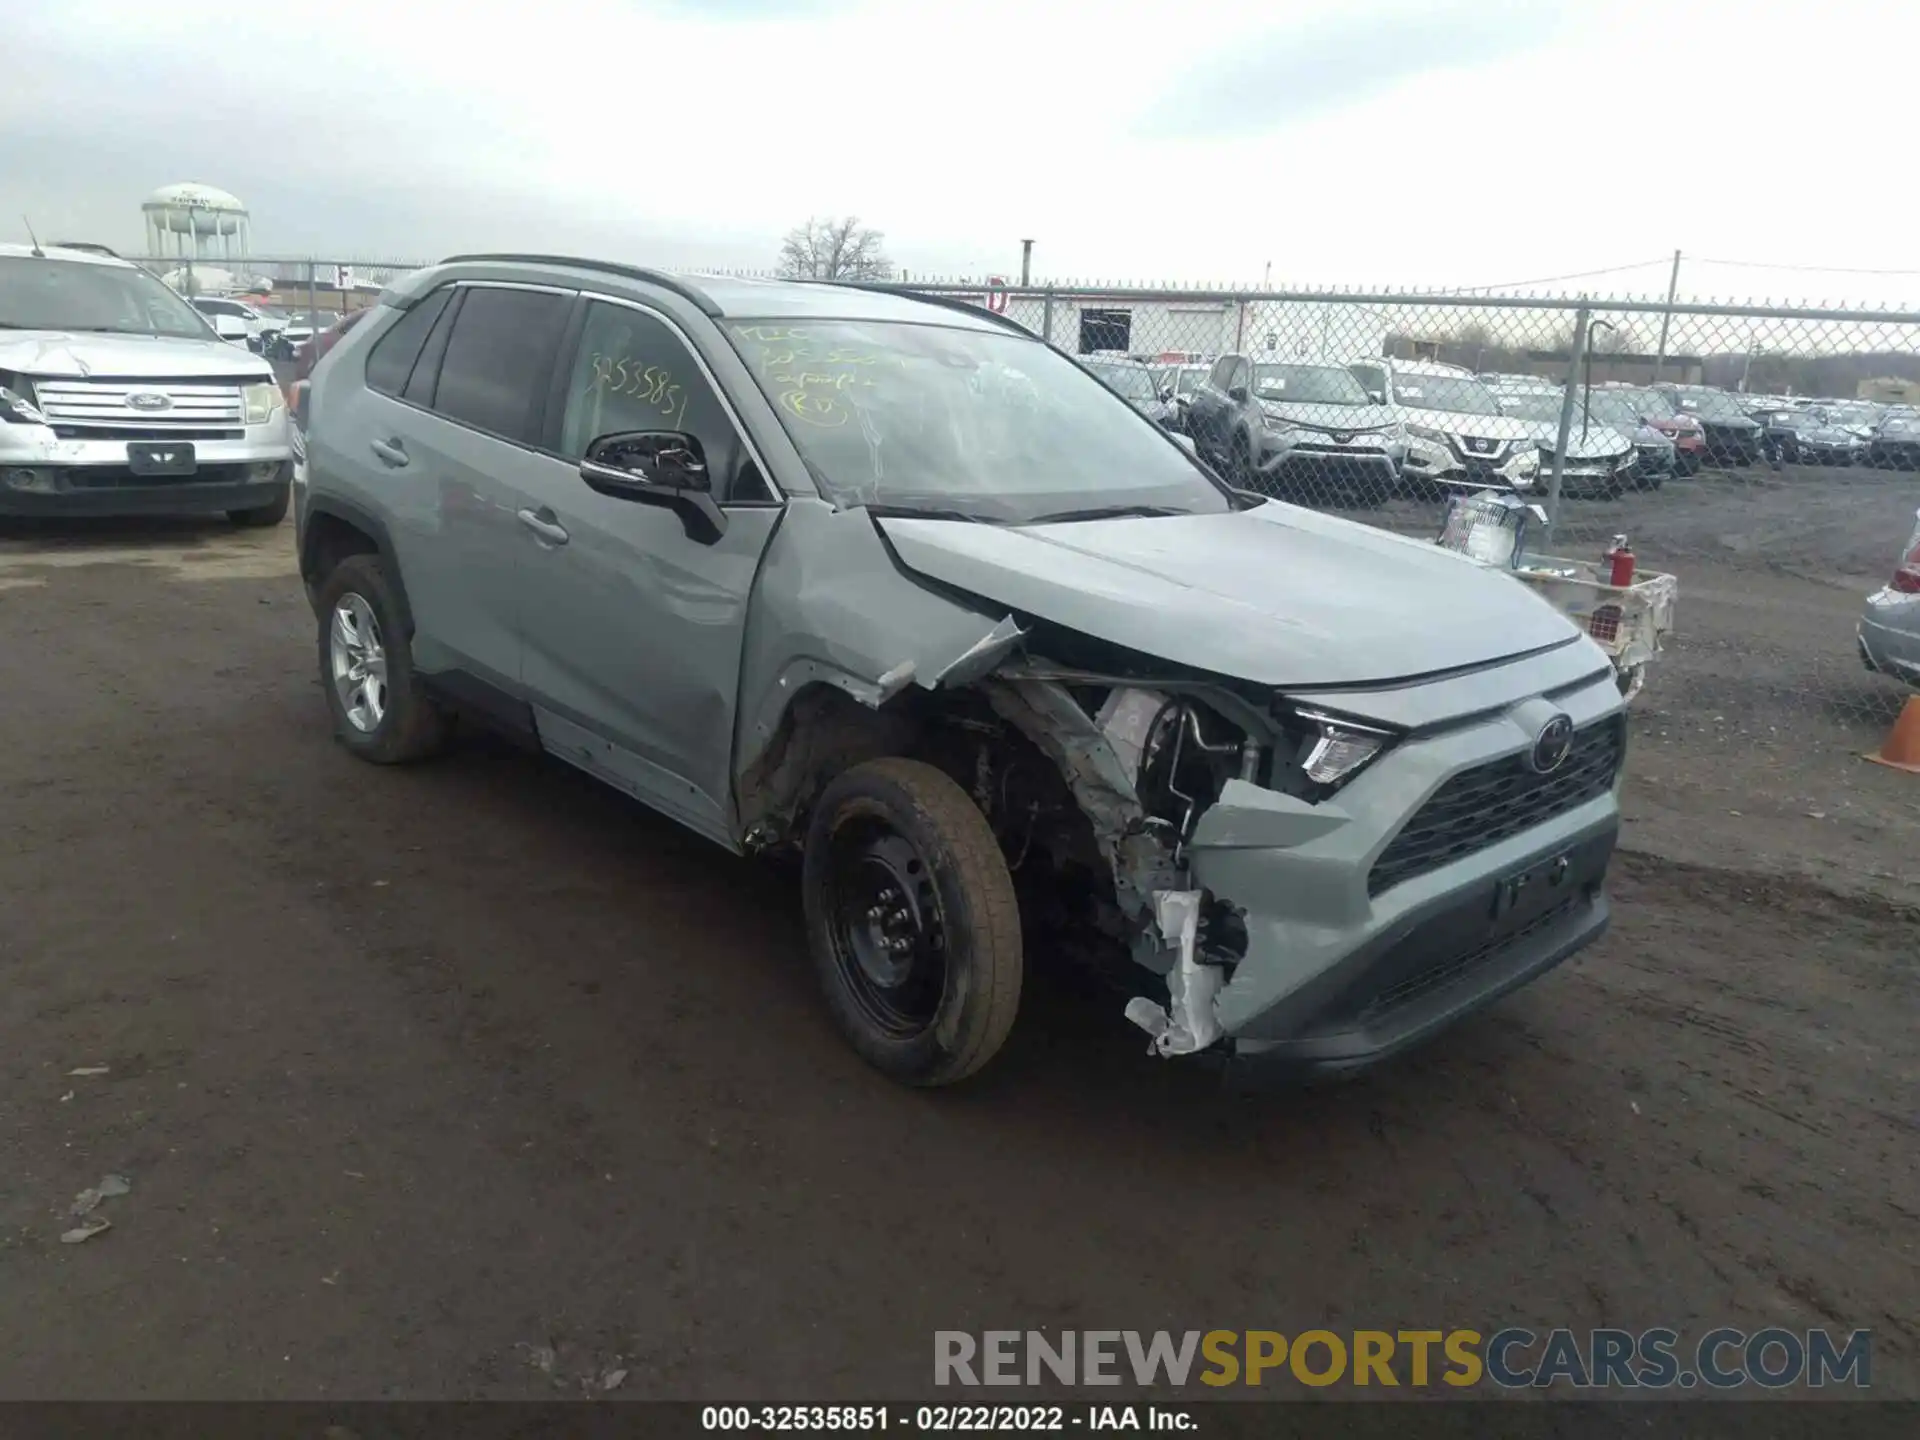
(1026, 263)
(1673, 286)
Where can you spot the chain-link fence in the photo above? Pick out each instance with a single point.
(1764, 456)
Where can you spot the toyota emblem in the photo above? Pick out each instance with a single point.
(149, 400)
(1551, 746)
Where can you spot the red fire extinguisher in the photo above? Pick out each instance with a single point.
(1618, 562)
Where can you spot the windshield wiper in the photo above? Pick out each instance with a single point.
(1106, 512)
(924, 512)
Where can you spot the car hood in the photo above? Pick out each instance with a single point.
(70, 355)
(1599, 440)
(1344, 419)
(1725, 422)
(1477, 427)
(1275, 595)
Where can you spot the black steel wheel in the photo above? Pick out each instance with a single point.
(912, 920)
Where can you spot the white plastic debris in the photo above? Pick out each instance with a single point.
(85, 1230)
(111, 1187)
(90, 1070)
(1187, 1023)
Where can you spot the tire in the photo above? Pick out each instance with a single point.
(407, 726)
(263, 516)
(902, 835)
(1240, 464)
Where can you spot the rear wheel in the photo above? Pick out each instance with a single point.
(380, 710)
(912, 921)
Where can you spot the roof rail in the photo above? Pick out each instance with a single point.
(907, 292)
(661, 278)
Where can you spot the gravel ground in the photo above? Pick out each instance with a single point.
(418, 1074)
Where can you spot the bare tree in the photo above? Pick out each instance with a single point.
(834, 250)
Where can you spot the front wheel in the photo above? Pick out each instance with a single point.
(912, 921)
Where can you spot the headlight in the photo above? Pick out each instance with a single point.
(1424, 432)
(1335, 750)
(258, 402)
(17, 401)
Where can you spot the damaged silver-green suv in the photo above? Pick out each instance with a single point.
(889, 583)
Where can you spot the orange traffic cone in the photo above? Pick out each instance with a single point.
(1902, 750)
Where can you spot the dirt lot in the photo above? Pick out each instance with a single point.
(414, 1072)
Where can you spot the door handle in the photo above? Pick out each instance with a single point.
(391, 452)
(547, 529)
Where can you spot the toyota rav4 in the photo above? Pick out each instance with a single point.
(888, 584)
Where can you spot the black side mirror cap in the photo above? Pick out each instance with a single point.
(667, 468)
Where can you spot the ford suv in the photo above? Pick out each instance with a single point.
(889, 585)
(117, 397)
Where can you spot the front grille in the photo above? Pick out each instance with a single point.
(103, 404)
(119, 477)
(136, 432)
(1498, 800)
(1422, 982)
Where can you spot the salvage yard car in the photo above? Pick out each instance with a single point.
(117, 398)
(1307, 431)
(1889, 631)
(888, 584)
(1457, 438)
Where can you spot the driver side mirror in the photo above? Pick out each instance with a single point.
(667, 468)
(1238, 394)
(1378, 397)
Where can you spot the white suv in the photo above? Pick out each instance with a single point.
(1456, 436)
(117, 397)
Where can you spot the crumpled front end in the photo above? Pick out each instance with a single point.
(1450, 872)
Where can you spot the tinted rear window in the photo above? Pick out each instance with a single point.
(500, 359)
(391, 360)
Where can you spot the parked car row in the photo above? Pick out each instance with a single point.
(1837, 432)
(1364, 432)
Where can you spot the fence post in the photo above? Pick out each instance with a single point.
(1046, 316)
(313, 304)
(1567, 401)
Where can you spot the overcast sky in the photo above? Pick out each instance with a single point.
(1348, 142)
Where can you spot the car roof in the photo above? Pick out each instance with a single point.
(728, 296)
(55, 252)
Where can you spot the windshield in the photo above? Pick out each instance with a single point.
(1530, 405)
(1649, 402)
(1854, 414)
(997, 427)
(73, 295)
(1610, 407)
(1183, 379)
(1712, 403)
(1133, 381)
(1308, 384)
(1458, 395)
